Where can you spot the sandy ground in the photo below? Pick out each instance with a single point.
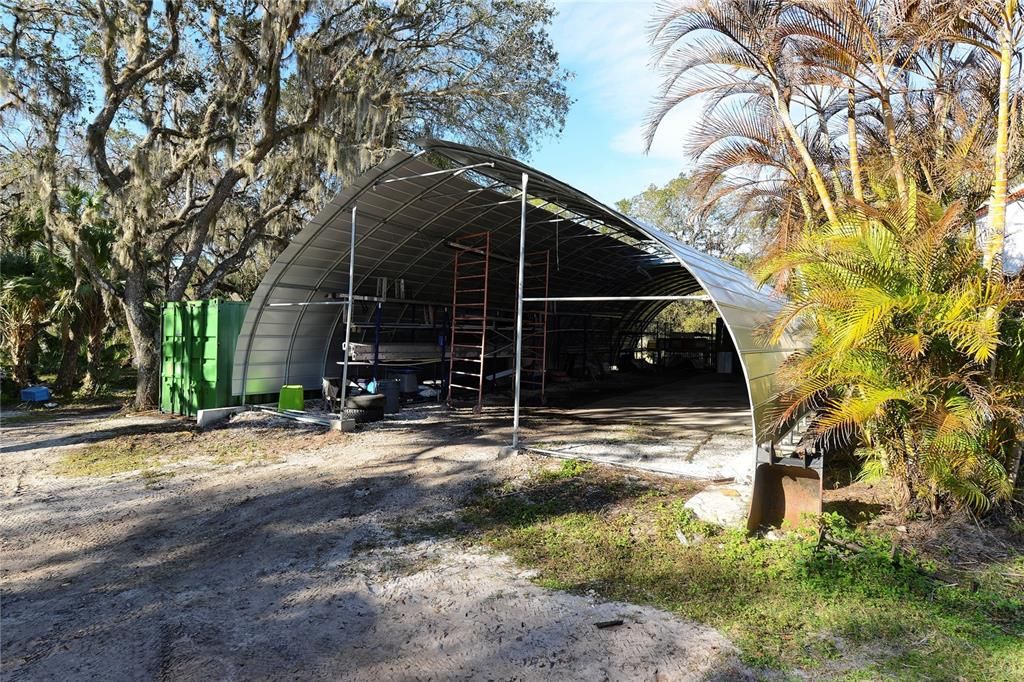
(695, 427)
(299, 566)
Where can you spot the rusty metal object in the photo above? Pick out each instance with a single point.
(784, 493)
(788, 479)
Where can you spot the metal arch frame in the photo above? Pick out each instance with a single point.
(384, 168)
(653, 234)
(732, 295)
(469, 195)
(441, 242)
(327, 272)
(502, 226)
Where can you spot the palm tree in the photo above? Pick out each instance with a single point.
(732, 53)
(905, 320)
(744, 156)
(865, 43)
(997, 27)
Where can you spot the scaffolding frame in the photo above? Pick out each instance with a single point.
(535, 319)
(470, 283)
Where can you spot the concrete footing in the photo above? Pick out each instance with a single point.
(209, 417)
(507, 451)
(345, 425)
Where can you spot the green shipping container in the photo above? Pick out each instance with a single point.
(198, 353)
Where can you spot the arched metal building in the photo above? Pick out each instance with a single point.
(412, 206)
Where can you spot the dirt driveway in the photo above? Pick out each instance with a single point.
(301, 565)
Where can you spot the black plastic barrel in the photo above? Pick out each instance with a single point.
(392, 392)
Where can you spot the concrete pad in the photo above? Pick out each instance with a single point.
(704, 456)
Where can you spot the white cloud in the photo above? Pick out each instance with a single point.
(609, 45)
(609, 42)
(669, 140)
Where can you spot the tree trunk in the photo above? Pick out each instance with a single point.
(92, 382)
(851, 130)
(71, 344)
(24, 352)
(894, 151)
(143, 329)
(899, 473)
(812, 169)
(997, 204)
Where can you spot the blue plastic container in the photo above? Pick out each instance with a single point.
(35, 394)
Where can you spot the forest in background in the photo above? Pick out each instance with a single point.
(157, 152)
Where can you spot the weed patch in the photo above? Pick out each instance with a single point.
(164, 445)
(788, 603)
(569, 468)
(106, 459)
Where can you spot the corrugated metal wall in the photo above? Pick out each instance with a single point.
(404, 221)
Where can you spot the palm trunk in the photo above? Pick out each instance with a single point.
(898, 466)
(851, 129)
(805, 156)
(97, 321)
(805, 206)
(894, 152)
(92, 382)
(24, 352)
(997, 204)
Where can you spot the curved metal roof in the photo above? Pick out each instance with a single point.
(407, 212)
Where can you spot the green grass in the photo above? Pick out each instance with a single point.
(148, 451)
(788, 604)
(569, 468)
(106, 459)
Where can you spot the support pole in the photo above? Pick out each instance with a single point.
(519, 314)
(348, 313)
(376, 342)
(612, 299)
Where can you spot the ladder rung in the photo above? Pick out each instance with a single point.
(469, 291)
(466, 374)
(466, 345)
(471, 276)
(465, 388)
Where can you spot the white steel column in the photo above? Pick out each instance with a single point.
(519, 314)
(348, 313)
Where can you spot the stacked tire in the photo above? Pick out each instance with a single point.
(365, 408)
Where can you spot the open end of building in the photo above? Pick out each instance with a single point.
(464, 277)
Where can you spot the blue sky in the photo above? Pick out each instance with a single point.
(601, 151)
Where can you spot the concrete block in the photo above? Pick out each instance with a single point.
(723, 505)
(209, 417)
(345, 425)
